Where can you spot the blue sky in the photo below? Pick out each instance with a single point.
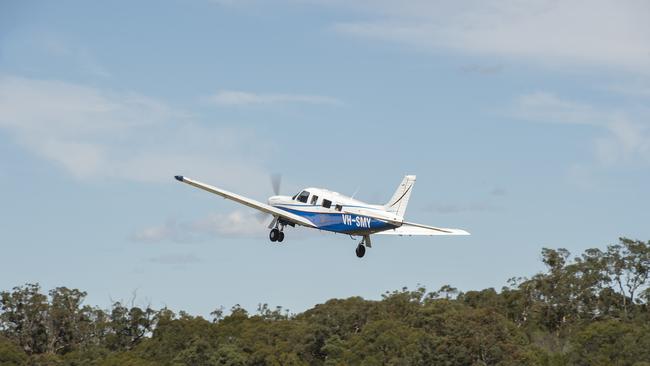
(527, 123)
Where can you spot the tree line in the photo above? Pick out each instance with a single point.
(591, 309)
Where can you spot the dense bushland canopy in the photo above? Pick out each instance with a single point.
(587, 310)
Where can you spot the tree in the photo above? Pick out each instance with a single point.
(67, 322)
(128, 326)
(384, 342)
(611, 342)
(589, 310)
(628, 265)
(24, 317)
(53, 325)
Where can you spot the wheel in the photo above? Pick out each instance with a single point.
(361, 250)
(274, 234)
(280, 237)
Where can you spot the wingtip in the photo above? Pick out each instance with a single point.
(179, 178)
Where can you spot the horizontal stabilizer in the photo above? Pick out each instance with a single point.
(413, 229)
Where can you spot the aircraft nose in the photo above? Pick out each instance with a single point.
(277, 200)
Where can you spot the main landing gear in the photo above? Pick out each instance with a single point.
(276, 235)
(361, 248)
(277, 226)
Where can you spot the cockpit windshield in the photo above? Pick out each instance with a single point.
(303, 196)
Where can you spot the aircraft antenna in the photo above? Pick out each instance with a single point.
(355, 192)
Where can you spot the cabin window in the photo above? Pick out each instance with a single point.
(302, 197)
(314, 199)
(338, 207)
(327, 203)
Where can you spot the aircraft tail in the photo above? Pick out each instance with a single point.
(400, 200)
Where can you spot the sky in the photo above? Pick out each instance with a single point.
(526, 123)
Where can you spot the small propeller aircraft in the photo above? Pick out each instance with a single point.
(323, 209)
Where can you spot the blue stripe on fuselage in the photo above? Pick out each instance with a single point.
(343, 222)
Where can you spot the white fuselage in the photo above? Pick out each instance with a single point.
(332, 211)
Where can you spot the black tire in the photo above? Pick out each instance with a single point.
(274, 234)
(281, 237)
(361, 251)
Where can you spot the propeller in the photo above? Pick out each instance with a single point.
(276, 180)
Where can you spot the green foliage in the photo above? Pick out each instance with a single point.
(125, 359)
(589, 310)
(10, 353)
(611, 342)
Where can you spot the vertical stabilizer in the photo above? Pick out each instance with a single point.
(400, 200)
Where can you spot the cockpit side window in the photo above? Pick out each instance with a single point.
(314, 199)
(302, 197)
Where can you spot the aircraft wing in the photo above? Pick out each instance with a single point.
(412, 229)
(297, 219)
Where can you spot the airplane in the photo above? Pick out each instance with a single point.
(323, 209)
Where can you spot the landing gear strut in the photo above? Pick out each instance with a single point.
(361, 248)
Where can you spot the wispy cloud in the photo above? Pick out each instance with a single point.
(490, 202)
(63, 54)
(498, 192)
(455, 208)
(481, 69)
(604, 33)
(627, 131)
(640, 90)
(66, 51)
(240, 98)
(169, 231)
(229, 2)
(548, 107)
(98, 134)
(234, 224)
(175, 259)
